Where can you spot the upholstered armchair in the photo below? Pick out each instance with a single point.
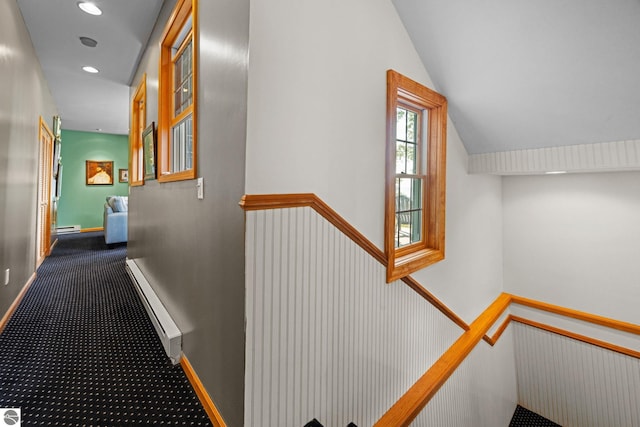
(116, 211)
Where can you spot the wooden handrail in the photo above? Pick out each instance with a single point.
(252, 202)
(404, 411)
(413, 401)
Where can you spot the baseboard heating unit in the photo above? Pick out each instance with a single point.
(68, 229)
(167, 330)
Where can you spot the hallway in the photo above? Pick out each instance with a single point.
(80, 350)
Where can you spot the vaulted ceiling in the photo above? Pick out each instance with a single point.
(523, 74)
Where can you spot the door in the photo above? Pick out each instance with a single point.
(45, 164)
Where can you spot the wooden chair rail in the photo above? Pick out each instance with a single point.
(251, 202)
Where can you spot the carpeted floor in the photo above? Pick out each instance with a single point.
(523, 417)
(80, 350)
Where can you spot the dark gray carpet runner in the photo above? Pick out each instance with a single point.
(80, 350)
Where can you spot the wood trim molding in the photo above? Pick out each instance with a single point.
(415, 399)
(493, 339)
(579, 315)
(16, 302)
(404, 411)
(201, 392)
(88, 230)
(252, 202)
(583, 338)
(413, 284)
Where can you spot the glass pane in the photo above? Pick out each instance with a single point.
(411, 159)
(412, 119)
(182, 145)
(401, 157)
(183, 80)
(408, 211)
(401, 124)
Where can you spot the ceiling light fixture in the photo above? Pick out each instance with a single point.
(89, 8)
(90, 69)
(555, 172)
(88, 41)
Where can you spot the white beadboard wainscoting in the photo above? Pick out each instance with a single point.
(573, 383)
(601, 157)
(327, 338)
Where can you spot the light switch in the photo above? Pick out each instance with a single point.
(200, 186)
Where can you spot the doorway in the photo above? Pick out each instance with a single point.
(43, 228)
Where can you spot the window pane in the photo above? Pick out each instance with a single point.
(408, 211)
(407, 125)
(401, 124)
(183, 80)
(411, 159)
(182, 145)
(412, 121)
(401, 157)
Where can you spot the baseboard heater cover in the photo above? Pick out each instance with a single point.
(167, 330)
(68, 229)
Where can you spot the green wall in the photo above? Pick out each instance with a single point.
(82, 204)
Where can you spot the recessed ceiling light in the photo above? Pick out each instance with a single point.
(555, 172)
(90, 8)
(90, 69)
(88, 41)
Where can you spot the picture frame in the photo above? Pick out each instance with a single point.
(99, 172)
(57, 127)
(123, 175)
(56, 156)
(59, 182)
(149, 148)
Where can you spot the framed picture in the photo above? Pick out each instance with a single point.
(99, 172)
(123, 175)
(57, 127)
(59, 182)
(56, 156)
(149, 149)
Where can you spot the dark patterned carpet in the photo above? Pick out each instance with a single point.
(525, 418)
(80, 350)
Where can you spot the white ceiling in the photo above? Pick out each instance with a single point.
(518, 73)
(85, 101)
(522, 74)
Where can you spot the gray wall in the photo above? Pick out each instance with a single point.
(190, 250)
(24, 97)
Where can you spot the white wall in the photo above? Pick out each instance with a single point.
(574, 241)
(316, 123)
(573, 383)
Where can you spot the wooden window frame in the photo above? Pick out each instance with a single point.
(402, 91)
(183, 10)
(136, 155)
